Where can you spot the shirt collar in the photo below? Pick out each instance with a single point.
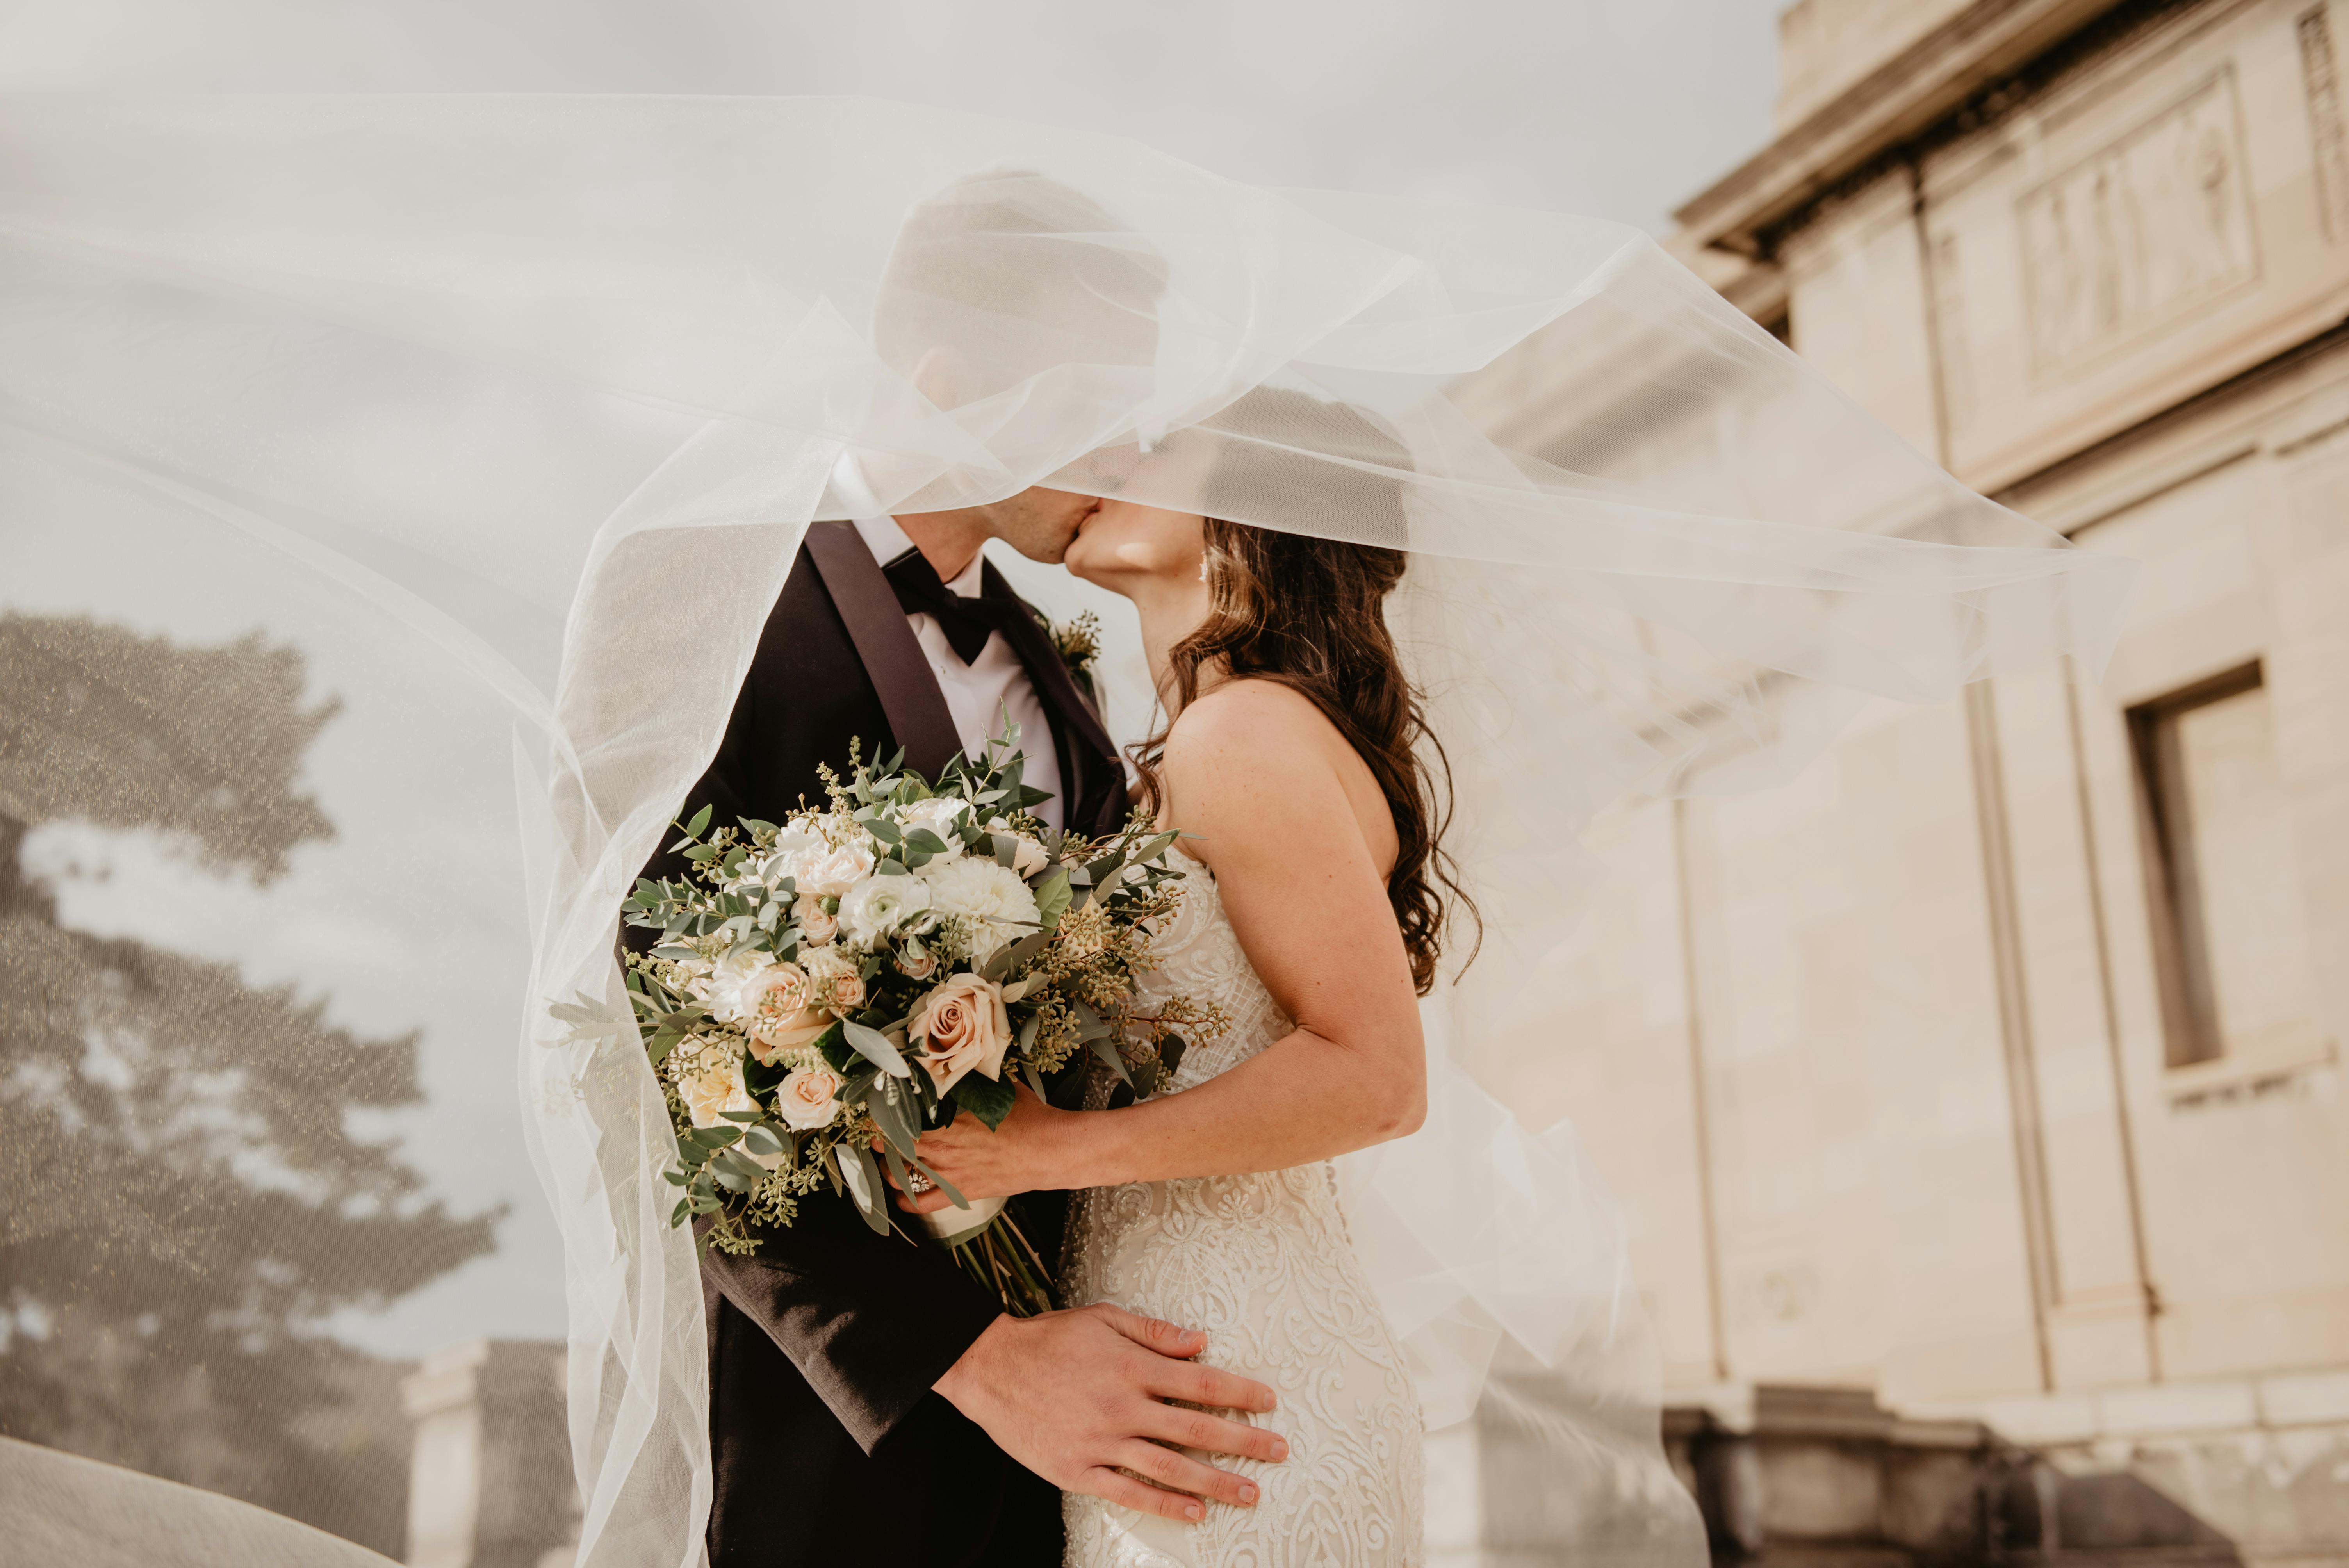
(887, 541)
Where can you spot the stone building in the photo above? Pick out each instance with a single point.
(1989, 1072)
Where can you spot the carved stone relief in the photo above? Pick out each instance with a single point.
(2155, 222)
(2320, 69)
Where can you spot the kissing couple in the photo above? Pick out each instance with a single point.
(1220, 1385)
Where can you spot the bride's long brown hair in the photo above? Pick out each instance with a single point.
(1311, 614)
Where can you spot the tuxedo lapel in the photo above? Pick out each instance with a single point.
(1090, 767)
(886, 643)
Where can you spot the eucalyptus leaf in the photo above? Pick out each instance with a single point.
(1052, 895)
(857, 1171)
(875, 1047)
(1106, 1049)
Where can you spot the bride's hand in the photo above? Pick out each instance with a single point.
(1018, 1156)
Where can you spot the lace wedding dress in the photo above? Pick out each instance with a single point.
(1262, 1263)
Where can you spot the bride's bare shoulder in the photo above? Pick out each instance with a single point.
(1251, 740)
(1249, 717)
(1256, 766)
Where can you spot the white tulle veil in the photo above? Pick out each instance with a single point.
(555, 385)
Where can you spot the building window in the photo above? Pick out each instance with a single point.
(2228, 924)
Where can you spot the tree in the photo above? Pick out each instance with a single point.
(181, 1198)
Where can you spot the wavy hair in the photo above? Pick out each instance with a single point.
(1310, 614)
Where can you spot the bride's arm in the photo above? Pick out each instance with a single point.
(1252, 771)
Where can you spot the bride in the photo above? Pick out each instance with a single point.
(1314, 916)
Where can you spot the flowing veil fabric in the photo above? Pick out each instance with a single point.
(555, 385)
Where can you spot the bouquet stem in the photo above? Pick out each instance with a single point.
(991, 1249)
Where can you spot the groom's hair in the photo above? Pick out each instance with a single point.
(1012, 275)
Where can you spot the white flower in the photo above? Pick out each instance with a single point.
(1029, 858)
(942, 815)
(876, 907)
(998, 906)
(834, 872)
(808, 1098)
(735, 984)
(793, 852)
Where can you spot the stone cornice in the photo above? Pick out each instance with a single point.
(1925, 87)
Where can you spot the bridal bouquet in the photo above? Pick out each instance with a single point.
(827, 988)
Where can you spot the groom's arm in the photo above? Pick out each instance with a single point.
(871, 1322)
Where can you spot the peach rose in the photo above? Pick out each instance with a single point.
(808, 1098)
(834, 982)
(959, 1027)
(783, 1010)
(817, 923)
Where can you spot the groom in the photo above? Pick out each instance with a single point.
(869, 1403)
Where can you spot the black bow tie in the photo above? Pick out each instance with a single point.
(967, 622)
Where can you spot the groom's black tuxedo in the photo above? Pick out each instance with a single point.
(829, 1445)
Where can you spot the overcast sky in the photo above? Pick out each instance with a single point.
(1616, 108)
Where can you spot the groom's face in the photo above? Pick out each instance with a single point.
(1041, 523)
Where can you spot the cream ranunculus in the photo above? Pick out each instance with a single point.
(808, 1098)
(942, 815)
(878, 906)
(998, 906)
(959, 1027)
(714, 1087)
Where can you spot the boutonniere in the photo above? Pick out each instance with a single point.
(1078, 642)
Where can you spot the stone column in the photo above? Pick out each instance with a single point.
(490, 1476)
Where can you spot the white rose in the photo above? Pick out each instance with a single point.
(833, 872)
(818, 926)
(714, 1087)
(959, 1027)
(734, 984)
(794, 851)
(872, 909)
(808, 1098)
(942, 815)
(1000, 907)
(1029, 858)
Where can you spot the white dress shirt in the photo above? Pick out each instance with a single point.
(978, 693)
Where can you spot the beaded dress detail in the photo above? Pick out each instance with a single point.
(1263, 1264)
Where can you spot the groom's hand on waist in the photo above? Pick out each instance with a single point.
(1081, 1396)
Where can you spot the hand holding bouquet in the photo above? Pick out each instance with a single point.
(834, 984)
